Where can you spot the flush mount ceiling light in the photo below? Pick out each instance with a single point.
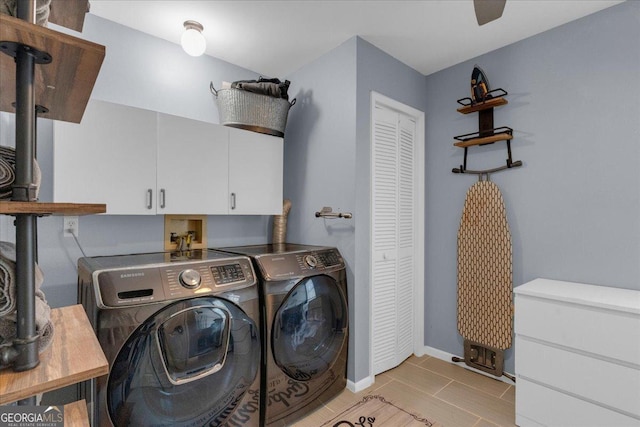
(193, 42)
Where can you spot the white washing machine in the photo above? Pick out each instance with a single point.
(306, 316)
(181, 332)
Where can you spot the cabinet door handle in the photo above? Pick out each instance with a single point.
(162, 198)
(149, 199)
(233, 201)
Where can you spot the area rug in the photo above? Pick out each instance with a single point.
(376, 411)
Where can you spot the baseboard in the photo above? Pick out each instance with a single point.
(443, 355)
(360, 385)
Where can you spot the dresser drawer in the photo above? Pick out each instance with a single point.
(613, 385)
(537, 405)
(601, 331)
(577, 354)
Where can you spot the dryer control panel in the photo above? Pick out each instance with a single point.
(149, 284)
(299, 264)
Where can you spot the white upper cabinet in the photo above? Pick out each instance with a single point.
(110, 157)
(140, 162)
(255, 173)
(192, 167)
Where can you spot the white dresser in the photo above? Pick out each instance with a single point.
(577, 355)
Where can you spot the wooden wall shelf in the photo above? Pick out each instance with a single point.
(8, 207)
(490, 103)
(74, 356)
(485, 140)
(63, 86)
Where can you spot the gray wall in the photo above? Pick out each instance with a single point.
(379, 72)
(320, 158)
(146, 72)
(327, 156)
(574, 207)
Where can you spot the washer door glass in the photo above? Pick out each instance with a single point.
(310, 328)
(189, 364)
(193, 343)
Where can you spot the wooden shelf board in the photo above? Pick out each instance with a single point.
(493, 102)
(76, 414)
(8, 207)
(74, 356)
(484, 140)
(63, 86)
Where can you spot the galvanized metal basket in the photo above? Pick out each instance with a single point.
(252, 111)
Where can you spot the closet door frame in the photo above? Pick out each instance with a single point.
(381, 101)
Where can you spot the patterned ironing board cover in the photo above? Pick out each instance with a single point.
(485, 279)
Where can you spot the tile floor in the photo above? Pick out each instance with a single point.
(440, 391)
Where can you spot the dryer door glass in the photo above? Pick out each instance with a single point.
(189, 364)
(310, 327)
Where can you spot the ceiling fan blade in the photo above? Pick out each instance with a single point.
(488, 10)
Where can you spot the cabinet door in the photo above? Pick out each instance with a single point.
(110, 157)
(255, 173)
(192, 166)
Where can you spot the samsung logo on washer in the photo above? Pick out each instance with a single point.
(130, 275)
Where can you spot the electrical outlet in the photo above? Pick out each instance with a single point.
(70, 226)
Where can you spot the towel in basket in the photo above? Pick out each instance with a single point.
(258, 105)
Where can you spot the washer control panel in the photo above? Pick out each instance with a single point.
(133, 285)
(298, 264)
(228, 273)
(330, 258)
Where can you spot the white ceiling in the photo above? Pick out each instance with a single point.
(275, 38)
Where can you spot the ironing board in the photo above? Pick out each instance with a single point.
(485, 284)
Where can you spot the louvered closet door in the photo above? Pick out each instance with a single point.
(405, 242)
(392, 238)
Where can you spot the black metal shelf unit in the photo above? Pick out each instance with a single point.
(487, 133)
(56, 85)
(24, 352)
